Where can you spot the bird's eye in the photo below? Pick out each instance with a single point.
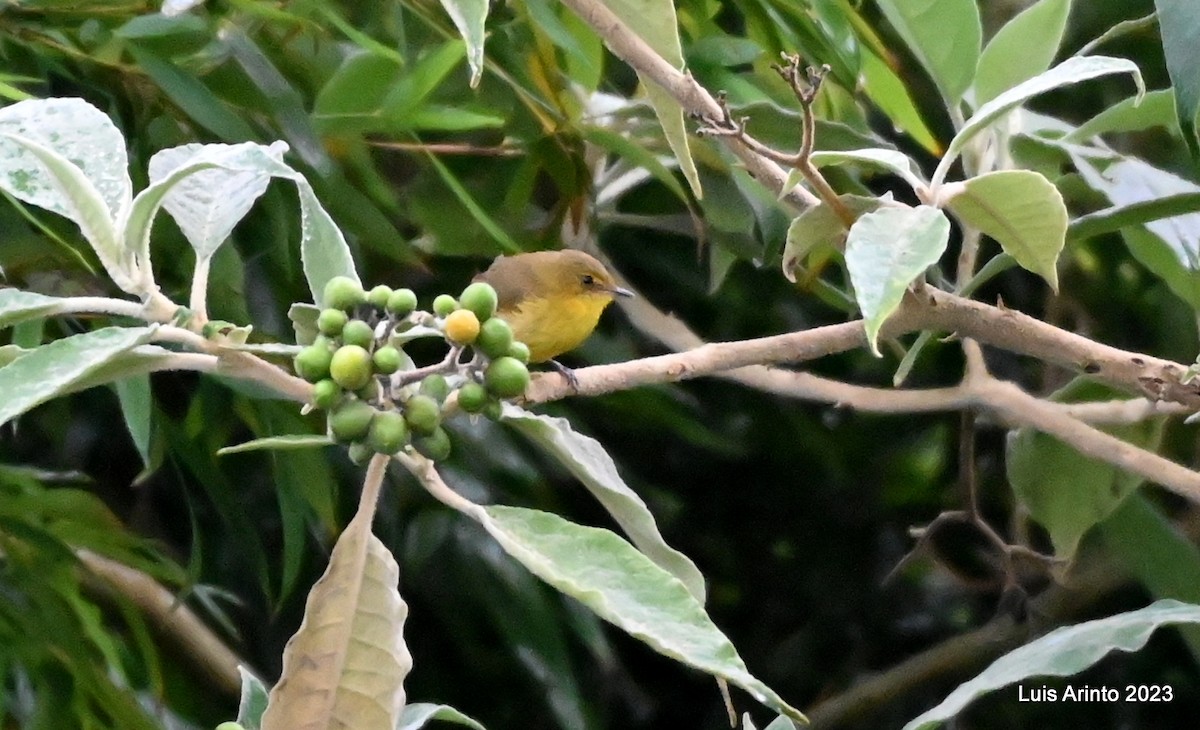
(588, 280)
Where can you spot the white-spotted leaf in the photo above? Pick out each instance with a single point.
(885, 251)
(61, 366)
(893, 161)
(819, 227)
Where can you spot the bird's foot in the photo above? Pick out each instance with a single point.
(566, 372)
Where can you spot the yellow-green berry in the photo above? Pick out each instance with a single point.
(472, 397)
(481, 299)
(342, 292)
(388, 433)
(378, 296)
(351, 420)
(401, 302)
(387, 359)
(230, 725)
(423, 414)
(331, 321)
(358, 332)
(462, 326)
(326, 394)
(495, 337)
(444, 304)
(350, 367)
(436, 445)
(313, 362)
(506, 377)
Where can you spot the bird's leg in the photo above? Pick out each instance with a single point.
(566, 372)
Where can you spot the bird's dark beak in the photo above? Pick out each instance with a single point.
(620, 291)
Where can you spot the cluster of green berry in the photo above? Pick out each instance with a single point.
(358, 366)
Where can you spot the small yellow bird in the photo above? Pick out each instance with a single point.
(551, 299)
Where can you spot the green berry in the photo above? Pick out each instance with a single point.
(444, 304)
(358, 332)
(342, 292)
(495, 338)
(351, 420)
(387, 360)
(388, 433)
(359, 452)
(230, 726)
(313, 362)
(520, 351)
(326, 394)
(401, 302)
(423, 414)
(472, 397)
(369, 392)
(435, 386)
(481, 299)
(506, 377)
(493, 411)
(378, 297)
(350, 367)
(436, 445)
(331, 321)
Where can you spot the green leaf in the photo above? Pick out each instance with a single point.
(485, 221)
(587, 460)
(1022, 49)
(1071, 71)
(624, 587)
(893, 161)
(1061, 653)
(1155, 109)
(1171, 250)
(416, 715)
(469, 17)
(191, 95)
(1065, 491)
(53, 369)
(655, 22)
(253, 701)
(1163, 559)
(1179, 24)
(66, 156)
(1137, 213)
(1021, 210)
(424, 78)
(18, 306)
(137, 408)
(890, 94)
(819, 227)
(885, 251)
(279, 443)
(345, 666)
(944, 35)
(358, 87)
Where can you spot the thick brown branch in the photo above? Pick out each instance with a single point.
(171, 619)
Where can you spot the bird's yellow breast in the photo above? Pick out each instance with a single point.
(554, 325)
